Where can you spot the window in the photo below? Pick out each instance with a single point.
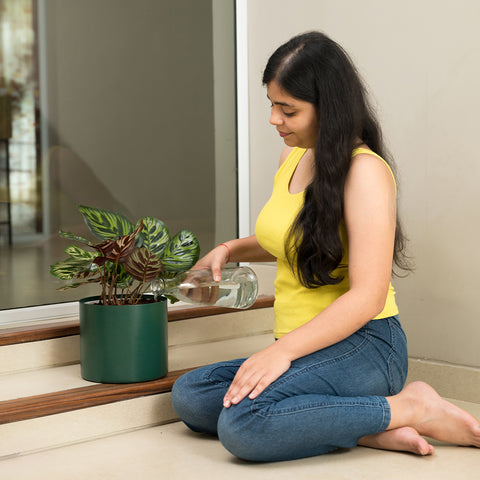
(134, 111)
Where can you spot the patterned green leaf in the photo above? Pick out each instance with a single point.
(155, 235)
(89, 274)
(143, 265)
(71, 236)
(182, 252)
(104, 224)
(122, 278)
(172, 299)
(70, 286)
(71, 268)
(77, 284)
(80, 254)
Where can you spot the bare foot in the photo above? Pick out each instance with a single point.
(403, 439)
(436, 418)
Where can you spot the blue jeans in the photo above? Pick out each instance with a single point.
(326, 400)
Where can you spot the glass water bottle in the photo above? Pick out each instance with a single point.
(238, 287)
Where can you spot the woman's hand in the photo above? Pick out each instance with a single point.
(214, 260)
(256, 374)
(240, 250)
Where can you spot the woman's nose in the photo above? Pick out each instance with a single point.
(275, 118)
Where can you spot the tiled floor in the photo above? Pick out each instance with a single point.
(171, 452)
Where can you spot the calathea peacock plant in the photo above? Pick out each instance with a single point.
(129, 258)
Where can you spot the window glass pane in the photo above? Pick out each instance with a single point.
(133, 111)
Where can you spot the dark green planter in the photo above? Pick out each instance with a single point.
(123, 344)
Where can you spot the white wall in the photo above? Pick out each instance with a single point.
(422, 62)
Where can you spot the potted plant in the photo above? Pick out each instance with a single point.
(123, 331)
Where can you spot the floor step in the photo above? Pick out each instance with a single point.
(76, 426)
(43, 421)
(44, 402)
(34, 406)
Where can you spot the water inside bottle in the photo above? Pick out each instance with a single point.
(232, 294)
(238, 287)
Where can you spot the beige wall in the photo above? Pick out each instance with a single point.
(422, 62)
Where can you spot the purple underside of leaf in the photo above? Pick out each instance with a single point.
(106, 247)
(116, 250)
(88, 275)
(143, 265)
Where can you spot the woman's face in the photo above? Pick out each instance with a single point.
(296, 120)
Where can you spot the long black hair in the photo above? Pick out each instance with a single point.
(314, 68)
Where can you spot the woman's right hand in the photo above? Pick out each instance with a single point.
(245, 249)
(214, 260)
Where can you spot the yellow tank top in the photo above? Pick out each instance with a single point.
(294, 304)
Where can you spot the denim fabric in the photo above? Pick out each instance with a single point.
(326, 400)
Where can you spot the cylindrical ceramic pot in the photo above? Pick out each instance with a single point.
(123, 343)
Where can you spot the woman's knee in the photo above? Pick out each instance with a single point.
(183, 386)
(258, 438)
(240, 433)
(181, 392)
(197, 402)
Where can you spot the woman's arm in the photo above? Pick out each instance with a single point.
(370, 217)
(240, 250)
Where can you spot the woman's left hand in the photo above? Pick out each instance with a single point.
(256, 374)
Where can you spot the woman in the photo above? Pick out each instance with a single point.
(334, 377)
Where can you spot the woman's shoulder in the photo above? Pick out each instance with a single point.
(368, 164)
(284, 155)
(365, 150)
(289, 152)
